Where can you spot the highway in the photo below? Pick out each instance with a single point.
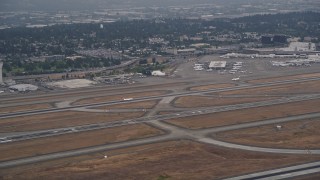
(126, 63)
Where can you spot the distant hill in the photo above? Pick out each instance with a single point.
(52, 5)
(65, 5)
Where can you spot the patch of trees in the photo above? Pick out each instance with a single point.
(142, 29)
(299, 24)
(19, 67)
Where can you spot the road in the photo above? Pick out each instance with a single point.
(126, 63)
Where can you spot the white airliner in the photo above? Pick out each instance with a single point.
(4, 140)
(235, 79)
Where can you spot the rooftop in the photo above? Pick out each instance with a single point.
(217, 64)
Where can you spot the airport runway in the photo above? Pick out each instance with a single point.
(200, 111)
(173, 133)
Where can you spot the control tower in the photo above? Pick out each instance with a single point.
(1, 80)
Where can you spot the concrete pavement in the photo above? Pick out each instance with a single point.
(258, 149)
(282, 173)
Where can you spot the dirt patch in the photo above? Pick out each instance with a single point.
(24, 108)
(287, 89)
(247, 115)
(204, 101)
(74, 141)
(210, 86)
(299, 135)
(282, 78)
(120, 97)
(73, 83)
(60, 120)
(169, 160)
(136, 105)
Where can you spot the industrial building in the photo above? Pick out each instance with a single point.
(218, 64)
(300, 47)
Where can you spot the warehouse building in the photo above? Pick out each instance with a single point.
(218, 65)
